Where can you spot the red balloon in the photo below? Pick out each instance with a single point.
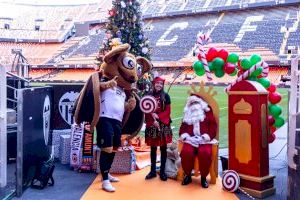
(229, 68)
(239, 65)
(223, 54)
(211, 54)
(271, 138)
(272, 88)
(272, 129)
(274, 97)
(271, 120)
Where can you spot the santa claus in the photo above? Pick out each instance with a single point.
(197, 131)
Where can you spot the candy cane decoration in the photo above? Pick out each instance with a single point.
(201, 41)
(247, 73)
(231, 182)
(148, 104)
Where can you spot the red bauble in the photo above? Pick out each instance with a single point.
(112, 12)
(211, 54)
(223, 54)
(274, 97)
(229, 68)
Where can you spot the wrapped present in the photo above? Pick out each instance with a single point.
(124, 161)
(64, 149)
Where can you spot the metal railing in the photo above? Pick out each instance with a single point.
(3, 128)
(294, 111)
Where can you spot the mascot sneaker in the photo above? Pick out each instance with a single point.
(113, 179)
(106, 185)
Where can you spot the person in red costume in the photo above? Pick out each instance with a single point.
(158, 131)
(197, 131)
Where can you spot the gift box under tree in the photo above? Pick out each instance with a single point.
(124, 161)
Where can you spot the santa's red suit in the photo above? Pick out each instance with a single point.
(197, 131)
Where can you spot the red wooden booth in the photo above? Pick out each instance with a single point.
(248, 137)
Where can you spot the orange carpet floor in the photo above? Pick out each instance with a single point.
(135, 187)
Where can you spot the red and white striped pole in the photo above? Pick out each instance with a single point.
(247, 73)
(201, 41)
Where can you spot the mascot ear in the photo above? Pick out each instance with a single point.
(109, 57)
(145, 63)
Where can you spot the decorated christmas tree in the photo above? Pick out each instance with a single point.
(125, 26)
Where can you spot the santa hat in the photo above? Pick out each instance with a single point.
(195, 98)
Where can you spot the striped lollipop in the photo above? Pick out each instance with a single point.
(201, 41)
(148, 104)
(231, 181)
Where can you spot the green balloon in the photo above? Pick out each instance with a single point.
(233, 58)
(275, 110)
(234, 73)
(252, 78)
(219, 73)
(200, 72)
(279, 121)
(211, 66)
(246, 64)
(255, 59)
(257, 72)
(265, 82)
(198, 66)
(218, 63)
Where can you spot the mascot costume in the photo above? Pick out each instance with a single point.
(109, 104)
(197, 131)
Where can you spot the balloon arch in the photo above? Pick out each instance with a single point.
(254, 68)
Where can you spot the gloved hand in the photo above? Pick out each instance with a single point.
(195, 140)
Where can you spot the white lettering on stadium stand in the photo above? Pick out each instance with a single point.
(65, 105)
(247, 27)
(162, 40)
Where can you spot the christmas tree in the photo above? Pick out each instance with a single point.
(124, 23)
(125, 26)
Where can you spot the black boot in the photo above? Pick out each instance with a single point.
(152, 173)
(163, 159)
(204, 183)
(187, 180)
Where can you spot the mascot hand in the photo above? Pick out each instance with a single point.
(109, 84)
(130, 105)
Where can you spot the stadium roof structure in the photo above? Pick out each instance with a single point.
(50, 2)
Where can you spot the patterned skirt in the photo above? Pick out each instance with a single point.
(155, 137)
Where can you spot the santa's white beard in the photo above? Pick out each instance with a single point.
(193, 114)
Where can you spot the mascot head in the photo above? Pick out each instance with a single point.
(118, 62)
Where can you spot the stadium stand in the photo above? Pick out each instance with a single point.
(35, 53)
(269, 31)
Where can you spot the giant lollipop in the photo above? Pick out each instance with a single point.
(148, 104)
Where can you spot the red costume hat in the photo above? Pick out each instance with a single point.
(158, 78)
